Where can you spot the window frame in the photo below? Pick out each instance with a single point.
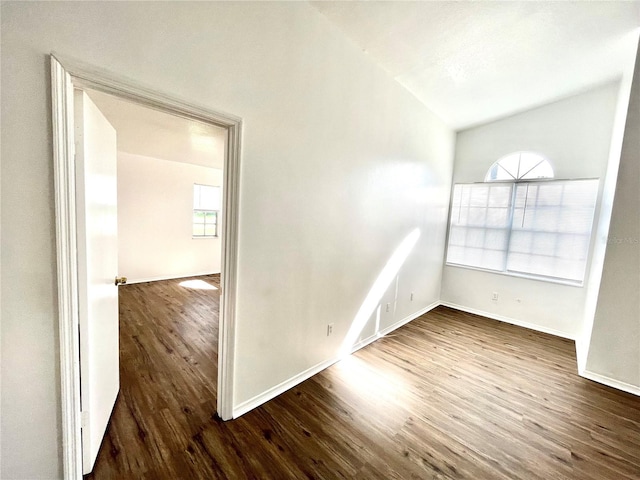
(521, 177)
(512, 208)
(205, 224)
(205, 211)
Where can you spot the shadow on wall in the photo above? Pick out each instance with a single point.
(378, 289)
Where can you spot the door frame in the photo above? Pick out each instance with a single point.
(67, 74)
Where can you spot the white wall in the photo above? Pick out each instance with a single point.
(155, 205)
(575, 134)
(614, 348)
(339, 164)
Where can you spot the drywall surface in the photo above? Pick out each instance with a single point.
(575, 134)
(339, 166)
(155, 205)
(614, 349)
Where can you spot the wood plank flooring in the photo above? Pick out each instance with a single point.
(448, 396)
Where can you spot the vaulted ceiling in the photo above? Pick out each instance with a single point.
(471, 62)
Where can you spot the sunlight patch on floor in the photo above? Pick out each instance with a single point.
(197, 285)
(383, 386)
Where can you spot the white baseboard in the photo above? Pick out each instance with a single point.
(282, 387)
(167, 277)
(610, 382)
(273, 392)
(513, 321)
(264, 397)
(391, 328)
(364, 342)
(596, 377)
(413, 316)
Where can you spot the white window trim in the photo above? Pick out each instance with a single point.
(541, 278)
(520, 176)
(206, 210)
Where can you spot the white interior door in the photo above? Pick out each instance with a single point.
(96, 190)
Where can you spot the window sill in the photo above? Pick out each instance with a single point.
(539, 278)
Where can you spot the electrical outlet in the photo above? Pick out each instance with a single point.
(494, 297)
(329, 329)
(388, 307)
(411, 297)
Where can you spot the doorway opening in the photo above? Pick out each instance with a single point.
(169, 182)
(68, 75)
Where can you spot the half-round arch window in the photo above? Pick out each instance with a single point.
(520, 166)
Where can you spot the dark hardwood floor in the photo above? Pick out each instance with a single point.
(450, 395)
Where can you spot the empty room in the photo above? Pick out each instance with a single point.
(426, 227)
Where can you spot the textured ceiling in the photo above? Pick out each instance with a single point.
(144, 131)
(471, 62)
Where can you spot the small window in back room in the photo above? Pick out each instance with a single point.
(206, 209)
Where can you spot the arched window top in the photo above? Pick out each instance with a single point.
(520, 166)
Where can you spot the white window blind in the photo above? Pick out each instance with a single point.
(533, 228)
(206, 197)
(480, 221)
(551, 228)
